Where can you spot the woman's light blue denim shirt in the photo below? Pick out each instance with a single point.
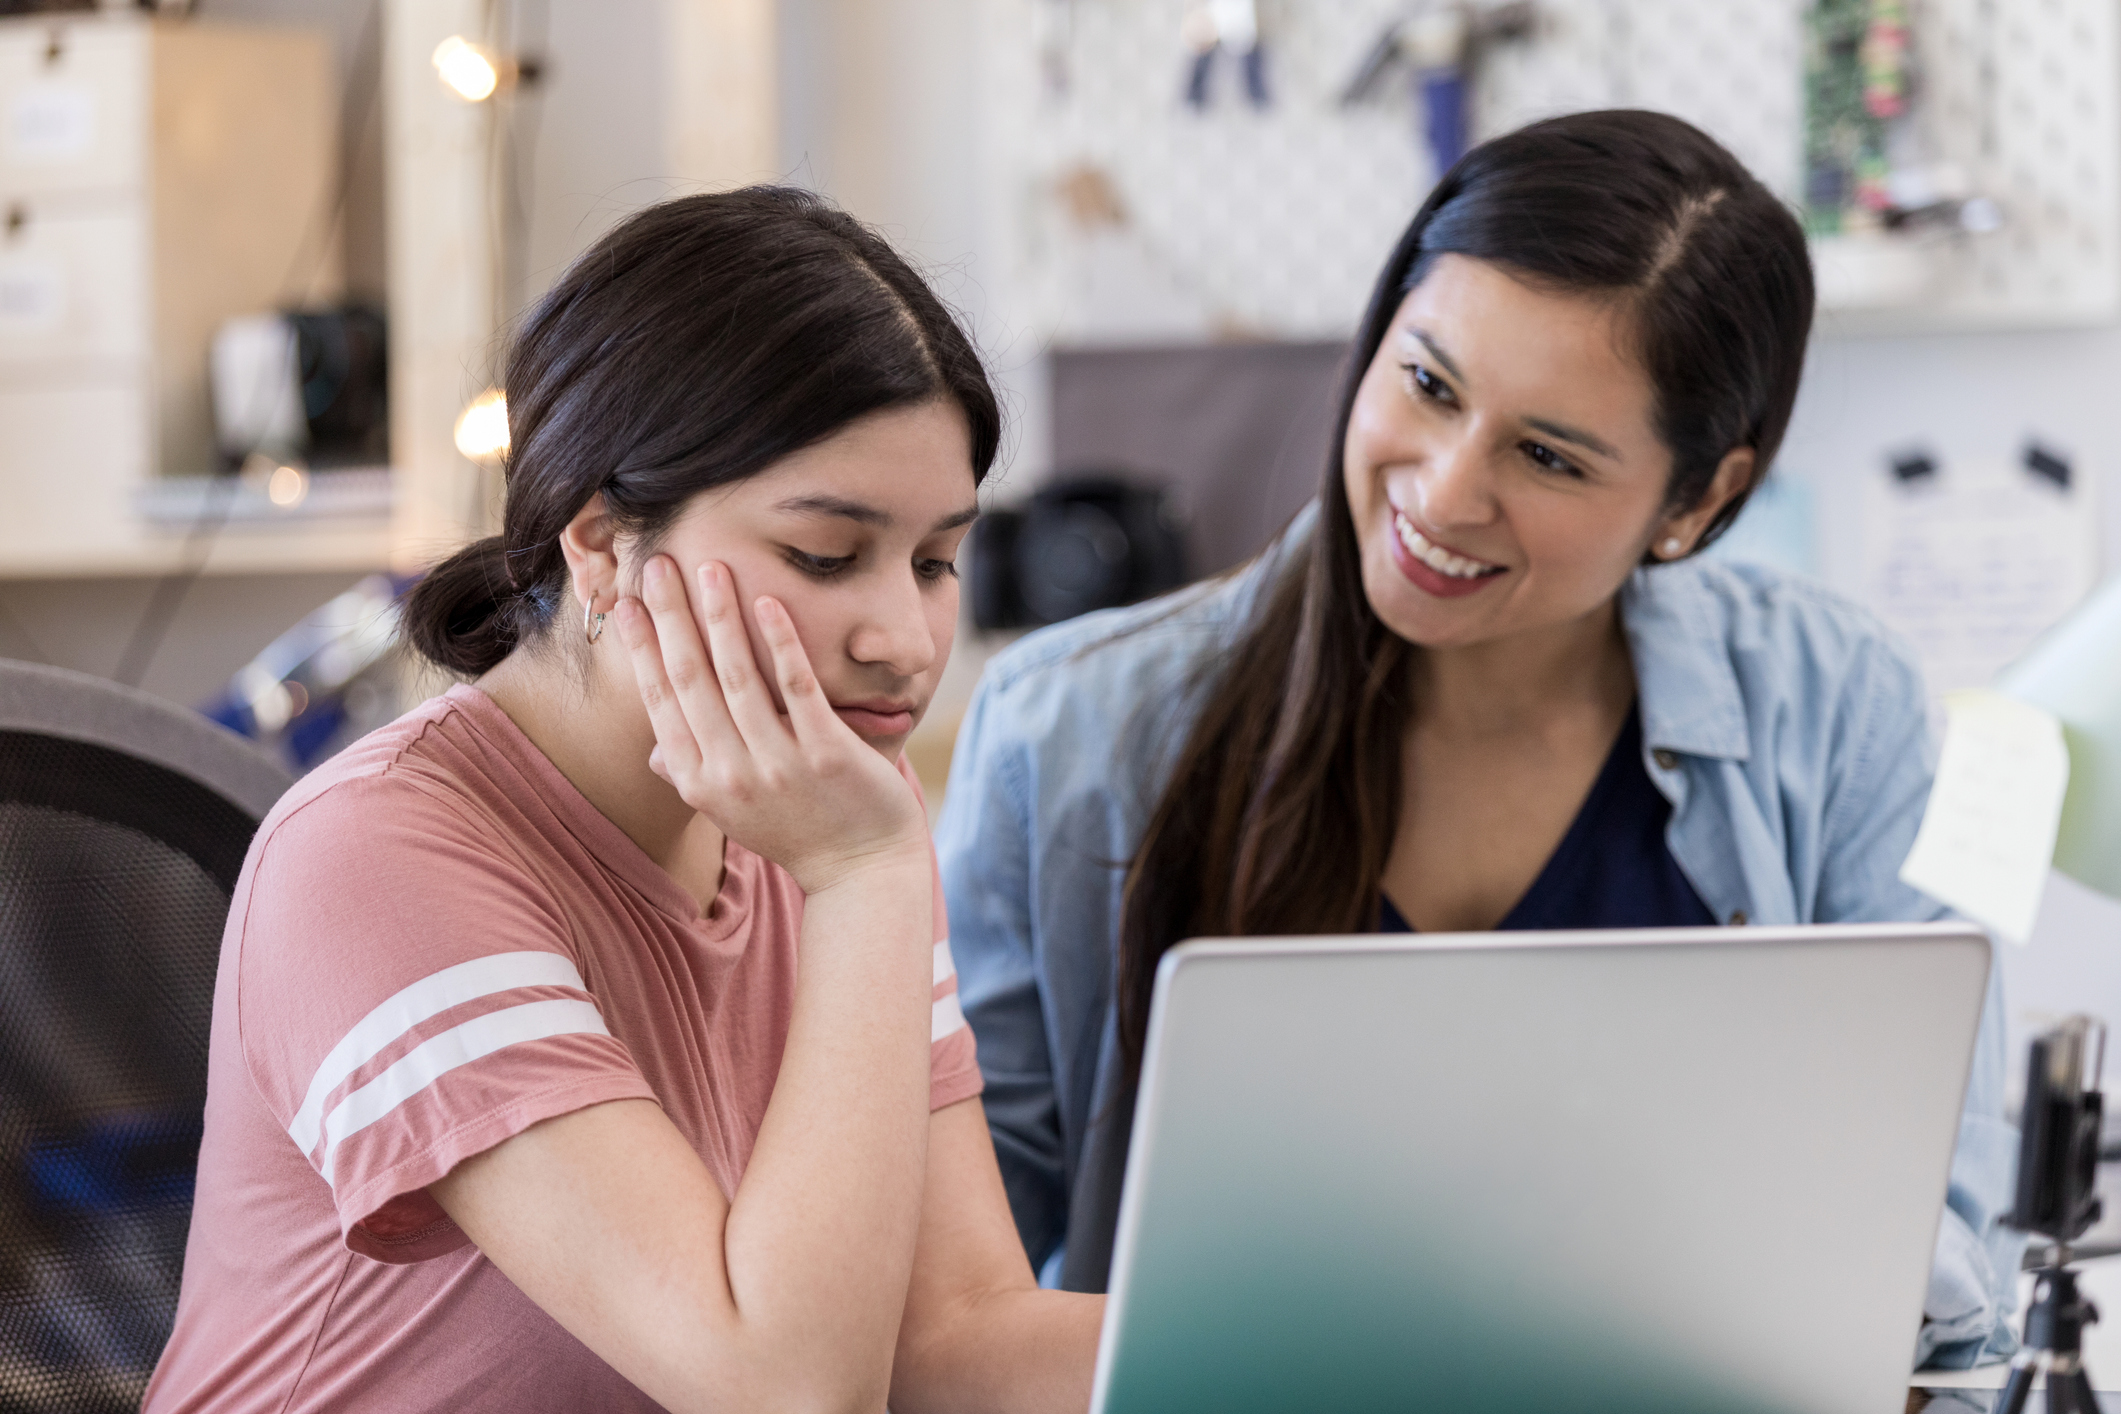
(1784, 724)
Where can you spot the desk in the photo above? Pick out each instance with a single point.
(2101, 1281)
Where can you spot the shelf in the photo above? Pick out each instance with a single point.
(136, 550)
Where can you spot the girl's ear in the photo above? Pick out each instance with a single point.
(590, 545)
(1676, 538)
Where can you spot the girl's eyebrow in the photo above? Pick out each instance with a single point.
(838, 506)
(862, 513)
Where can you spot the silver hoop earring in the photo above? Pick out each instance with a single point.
(592, 621)
(1671, 547)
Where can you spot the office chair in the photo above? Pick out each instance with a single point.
(123, 824)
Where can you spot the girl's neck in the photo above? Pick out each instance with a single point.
(1524, 682)
(588, 721)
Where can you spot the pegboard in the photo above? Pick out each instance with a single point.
(1236, 222)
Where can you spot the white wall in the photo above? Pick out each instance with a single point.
(1978, 397)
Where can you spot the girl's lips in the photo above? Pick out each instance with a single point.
(877, 718)
(1426, 578)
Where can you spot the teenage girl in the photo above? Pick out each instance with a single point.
(588, 1038)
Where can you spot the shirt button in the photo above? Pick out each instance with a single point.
(1667, 759)
(1739, 920)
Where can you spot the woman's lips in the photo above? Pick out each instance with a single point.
(880, 717)
(1416, 557)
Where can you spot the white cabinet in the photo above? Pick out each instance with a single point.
(156, 177)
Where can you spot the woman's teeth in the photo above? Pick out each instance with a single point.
(1440, 560)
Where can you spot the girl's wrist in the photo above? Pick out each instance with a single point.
(897, 866)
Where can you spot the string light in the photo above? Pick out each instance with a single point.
(468, 70)
(482, 428)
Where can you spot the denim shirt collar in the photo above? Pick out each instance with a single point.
(1684, 680)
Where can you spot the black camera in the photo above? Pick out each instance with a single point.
(2058, 1146)
(2058, 1160)
(1088, 542)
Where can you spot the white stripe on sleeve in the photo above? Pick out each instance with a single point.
(430, 996)
(947, 1017)
(945, 969)
(435, 1057)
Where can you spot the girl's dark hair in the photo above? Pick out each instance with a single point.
(1284, 798)
(698, 343)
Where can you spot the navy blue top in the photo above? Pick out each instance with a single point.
(1613, 868)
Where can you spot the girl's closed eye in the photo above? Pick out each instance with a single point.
(935, 569)
(817, 566)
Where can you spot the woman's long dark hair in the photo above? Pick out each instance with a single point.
(1284, 797)
(698, 343)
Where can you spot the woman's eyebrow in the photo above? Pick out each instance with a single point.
(863, 514)
(1436, 351)
(1560, 432)
(1580, 438)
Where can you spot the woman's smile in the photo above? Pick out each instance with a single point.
(1433, 567)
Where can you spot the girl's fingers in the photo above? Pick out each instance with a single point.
(681, 673)
(743, 687)
(809, 713)
(673, 735)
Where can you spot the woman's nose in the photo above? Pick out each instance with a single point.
(1452, 486)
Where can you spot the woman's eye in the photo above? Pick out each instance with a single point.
(935, 569)
(1547, 459)
(821, 566)
(1427, 384)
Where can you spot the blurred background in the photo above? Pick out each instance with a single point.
(259, 260)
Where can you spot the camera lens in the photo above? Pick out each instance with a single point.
(1072, 559)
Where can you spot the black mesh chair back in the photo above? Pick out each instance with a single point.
(123, 824)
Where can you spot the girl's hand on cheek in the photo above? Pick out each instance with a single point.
(804, 790)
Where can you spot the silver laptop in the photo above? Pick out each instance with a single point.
(1674, 1171)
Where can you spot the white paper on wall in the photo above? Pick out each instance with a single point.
(32, 295)
(1988, 834)
(51, 122)
(1974, 561)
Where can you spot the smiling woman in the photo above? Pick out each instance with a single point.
(1483, 683)
(519, 1099)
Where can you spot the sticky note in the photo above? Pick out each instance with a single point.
(1988, 836)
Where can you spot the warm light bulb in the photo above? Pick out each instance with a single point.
(287, 486)
(482, 428)
(466, 68)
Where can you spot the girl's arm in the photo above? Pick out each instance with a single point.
(978, 1333)
(788, 1297)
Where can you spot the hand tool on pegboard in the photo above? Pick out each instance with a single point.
(1215, 27)
(1441, 45)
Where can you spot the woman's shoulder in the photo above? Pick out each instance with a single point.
(1750, 643)
(1739, 602)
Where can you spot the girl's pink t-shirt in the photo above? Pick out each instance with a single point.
(437, 942)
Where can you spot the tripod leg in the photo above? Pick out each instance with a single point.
(2078, 1384)
(2018, 1390)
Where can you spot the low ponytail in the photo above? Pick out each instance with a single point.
(464, 614)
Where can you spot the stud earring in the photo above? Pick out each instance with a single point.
(592, 621)
(1671, 547)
